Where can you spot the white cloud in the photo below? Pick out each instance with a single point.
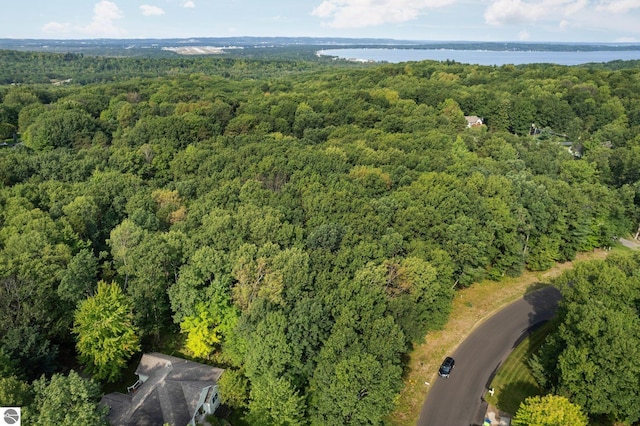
(575, 7)
(325, 9)
(148, 10)
(102, 25)
(524, 35)
(618, 6)
(512, 12)
(508, 12)
(605, 23)
(366, 13)
(106, 11)
(189, 4)
(564, 24)
(56, 28)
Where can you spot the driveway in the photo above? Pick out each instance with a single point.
(456, 401)
(632, 244)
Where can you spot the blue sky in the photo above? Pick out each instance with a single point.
(481, 20)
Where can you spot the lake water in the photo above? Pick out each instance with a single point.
(482, 57)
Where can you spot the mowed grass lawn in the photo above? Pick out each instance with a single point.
(514, 383)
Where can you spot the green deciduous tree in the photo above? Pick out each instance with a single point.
(106, 335)
(271, 351)
(153, 269)
(549, 410)
(213, 320)
(417, 300)
(234, 388)
(61, 128)
(591, 356)
(202, 333)
(33, 255)
(274, 401)
(7, 365)
(78, 281)
(597, 368)
(358, 370)
(32, 348)
(204, 273)
(355, 390)
(7, 130)
(83, 214)
(123, 239)
(65, 401)
(14, 392)
(18, 97)
(305, 118)
(256, 277)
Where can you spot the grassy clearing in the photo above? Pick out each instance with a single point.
(471, 306)
(514, 383)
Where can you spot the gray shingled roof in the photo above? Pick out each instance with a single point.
(170, 395)
(473, 119)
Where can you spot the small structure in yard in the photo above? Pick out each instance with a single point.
(169, 390)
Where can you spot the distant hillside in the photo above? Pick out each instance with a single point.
(261, 46)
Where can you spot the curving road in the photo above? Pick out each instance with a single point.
(456, 401)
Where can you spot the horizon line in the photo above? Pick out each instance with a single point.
(194, 38)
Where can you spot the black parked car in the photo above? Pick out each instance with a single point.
(446, 367)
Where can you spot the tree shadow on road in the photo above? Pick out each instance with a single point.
(543, 301)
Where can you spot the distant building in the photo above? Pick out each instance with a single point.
(61, 82)
(169, 390)
(574, 149)
(473, 120)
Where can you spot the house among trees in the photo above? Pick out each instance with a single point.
(169, 390)
(574, 149)
(473, 121)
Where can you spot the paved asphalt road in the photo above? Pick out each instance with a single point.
(457, 401)
(632, 244)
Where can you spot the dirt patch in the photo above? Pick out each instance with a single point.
(471, 306)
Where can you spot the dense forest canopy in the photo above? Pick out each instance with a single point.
(300, 224)
(591, 354)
